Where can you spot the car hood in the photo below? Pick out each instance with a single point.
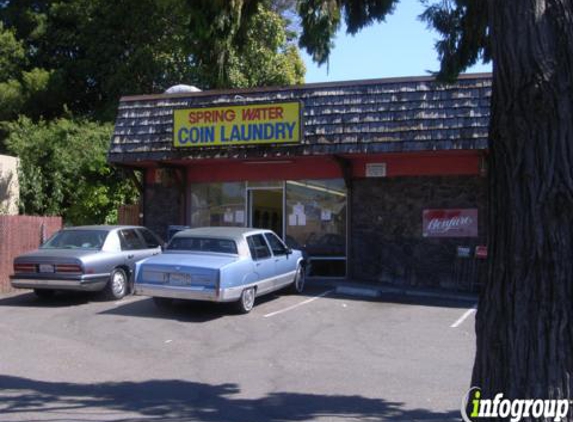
(45, 255)
(196, 260)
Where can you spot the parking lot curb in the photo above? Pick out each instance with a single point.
(357, 291)
(351, 288)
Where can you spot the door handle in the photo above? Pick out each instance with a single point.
(130, 256)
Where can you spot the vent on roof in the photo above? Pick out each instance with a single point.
(176, 89)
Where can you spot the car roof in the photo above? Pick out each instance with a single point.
(102, 227)
(235, 233)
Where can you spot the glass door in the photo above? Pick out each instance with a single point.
(266, 209)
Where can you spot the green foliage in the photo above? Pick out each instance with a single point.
(63, 170)
(320, 20)
(243, 44)
(95, 51)
(79, 56)
(12, 54)
(23, 89)
(11, 99)
(12, 59)
(463, 25)
(265, 58)
(105, 49)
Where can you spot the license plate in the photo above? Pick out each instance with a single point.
(179, 279)
(46, 268)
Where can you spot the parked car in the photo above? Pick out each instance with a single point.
(221, 264)
(87, 258)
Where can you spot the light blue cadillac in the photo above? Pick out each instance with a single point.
(221, 264)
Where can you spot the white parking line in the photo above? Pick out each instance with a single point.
(290, 308)
(463, 317)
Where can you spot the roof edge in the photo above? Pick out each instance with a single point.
(316, 85)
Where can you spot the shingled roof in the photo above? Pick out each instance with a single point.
(374, 116)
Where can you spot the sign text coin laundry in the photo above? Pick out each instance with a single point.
(237, 125)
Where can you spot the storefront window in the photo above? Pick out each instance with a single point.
(218, 204)
(316, 222)
(314, 215)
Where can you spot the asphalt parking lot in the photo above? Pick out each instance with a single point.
(318, 357)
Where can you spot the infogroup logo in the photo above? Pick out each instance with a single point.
(512, 410)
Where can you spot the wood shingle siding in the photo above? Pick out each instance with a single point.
(376, 116)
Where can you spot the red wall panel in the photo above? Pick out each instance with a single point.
(19, 234)
(443, 163)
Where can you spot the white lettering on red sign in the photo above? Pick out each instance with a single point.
(450, 223)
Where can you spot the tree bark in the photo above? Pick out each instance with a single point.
(524, 323)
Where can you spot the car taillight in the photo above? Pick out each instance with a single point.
(68, 268)
(24, 268)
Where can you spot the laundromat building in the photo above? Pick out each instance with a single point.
(377, 180)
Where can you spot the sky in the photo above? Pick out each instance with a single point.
(401, 46)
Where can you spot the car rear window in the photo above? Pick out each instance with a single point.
(203, 244)
(76, 239)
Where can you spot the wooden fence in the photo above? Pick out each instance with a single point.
(19, 234)
(129, 214)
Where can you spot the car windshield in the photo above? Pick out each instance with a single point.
(203, 244)
(76, 239)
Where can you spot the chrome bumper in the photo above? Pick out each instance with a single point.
(187, 292)
(87, 283)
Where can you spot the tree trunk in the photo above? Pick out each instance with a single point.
(524, 322)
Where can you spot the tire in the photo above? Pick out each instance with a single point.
(117, 286)
(44, 293)
(246, 301)
(297, 286)
(163, 303)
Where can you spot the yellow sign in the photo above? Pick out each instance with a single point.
(271, 123)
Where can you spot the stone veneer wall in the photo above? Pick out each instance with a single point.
(162, 206)
(386, 243)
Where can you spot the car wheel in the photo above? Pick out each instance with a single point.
(116, 288)
(299, 281)
(163, 302)
(247, 301)
(44, 293)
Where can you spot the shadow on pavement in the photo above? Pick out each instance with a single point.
(60, 299)
(181, 310)
(184, 311)
(175, 400)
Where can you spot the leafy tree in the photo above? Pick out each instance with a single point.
(12, 54)
(243, 44)
(80, 56)
(266, 58)
(104, 49)
(23, 87)
(63, 170)
(524, 322)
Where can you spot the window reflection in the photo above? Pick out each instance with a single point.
(218, 204)
(316, 217)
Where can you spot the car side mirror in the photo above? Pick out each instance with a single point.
(288, 251)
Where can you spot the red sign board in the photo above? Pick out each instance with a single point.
(481, 252)
(450, 223)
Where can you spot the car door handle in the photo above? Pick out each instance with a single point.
(130, 256)
(258, 264)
